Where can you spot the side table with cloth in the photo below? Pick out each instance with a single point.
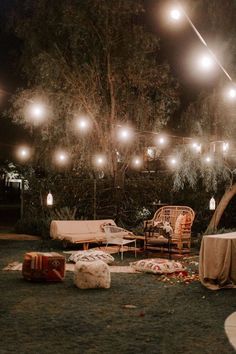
(217, 261)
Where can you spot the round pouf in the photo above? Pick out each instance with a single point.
(91, 275)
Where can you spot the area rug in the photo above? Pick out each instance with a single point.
(17, 266)
(109, 249)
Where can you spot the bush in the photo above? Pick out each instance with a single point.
(33, 226)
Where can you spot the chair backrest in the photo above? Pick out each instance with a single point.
(170, 213)
(180, 218)
(114, 233)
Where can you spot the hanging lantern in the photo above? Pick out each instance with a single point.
(49, 199)
(212, 204)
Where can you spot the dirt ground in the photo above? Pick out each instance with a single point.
(166, 317)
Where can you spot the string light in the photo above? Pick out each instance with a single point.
(61, 157)
(161, 140)
(231, 93)
(125, 134)
(196, 147)
(175, 14)
(173, 161)
(137, 162)
(99, 160)
(208, 159)
(23, 153)
(36, 112)
(206, 62)
(83, 123)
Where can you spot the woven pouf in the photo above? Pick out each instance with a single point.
(91, 275)
(40, 266)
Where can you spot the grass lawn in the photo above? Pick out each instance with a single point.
(60, 318)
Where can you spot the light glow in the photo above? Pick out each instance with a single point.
(37, 112)
(173, 161)
(225, 147)
(137, 162)
(83, 123)
(62, 157)
(208, 159)
(232, 93)
(212, 203)
(125, 134)
(175, 14)
(206, 62)
(161, 140)
(151, 153)
(49, 199)
(196, 147)
(99, 160)
(23, 153)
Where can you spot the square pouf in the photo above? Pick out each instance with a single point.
(91, 275)
(40, 266)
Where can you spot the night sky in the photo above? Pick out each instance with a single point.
(175, 45)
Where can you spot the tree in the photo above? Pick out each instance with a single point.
(96, 58)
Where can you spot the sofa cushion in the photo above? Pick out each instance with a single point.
(157, 266)
(58, 228)
(91, 255)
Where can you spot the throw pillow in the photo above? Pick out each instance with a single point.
(179, 222)
(158, 266)
(91, 255)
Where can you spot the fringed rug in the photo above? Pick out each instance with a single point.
(109, 249)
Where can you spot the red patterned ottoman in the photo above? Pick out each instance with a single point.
(40, 266)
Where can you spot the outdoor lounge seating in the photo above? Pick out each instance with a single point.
(79, 231)
(169, 229)
(90, 231)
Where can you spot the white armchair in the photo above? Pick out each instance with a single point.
(116, 236)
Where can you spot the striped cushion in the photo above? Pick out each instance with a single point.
(91, 255)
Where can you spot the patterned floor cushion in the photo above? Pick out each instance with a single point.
(92, 275)
(91, 255)
(158, 266)
(41, 266)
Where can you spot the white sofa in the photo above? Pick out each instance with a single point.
(79, 231)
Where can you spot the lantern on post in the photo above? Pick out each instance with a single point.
(49, 199)
(212, 204)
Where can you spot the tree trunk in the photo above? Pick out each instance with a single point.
(228, 195)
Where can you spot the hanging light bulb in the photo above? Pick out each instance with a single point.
(212, 204)
(175, 14)
(49, 199)
(136, 162)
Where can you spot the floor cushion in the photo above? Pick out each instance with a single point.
(91, 275)
(91, 255)
(157, 266)
(43, 266)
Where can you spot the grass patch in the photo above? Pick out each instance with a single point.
(59, 318)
